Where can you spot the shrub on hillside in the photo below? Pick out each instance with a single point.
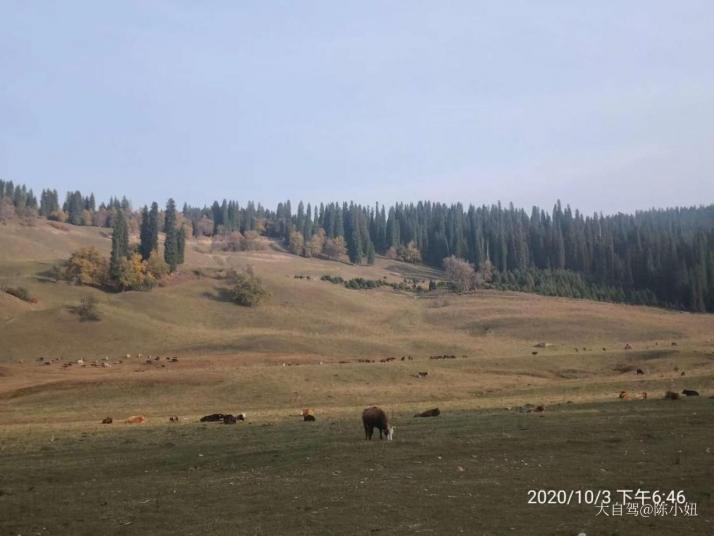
(86, 267)
(7, 210)
(156, 265)
(21, 293)
(227, 242)
(409, 253)
(461, 274)
(57, 215)
(335, 248)
(296, 244)
(235, 241)
(316, 244)
(247, 290)
(360, 283)
(252, 242)
(334, 279)
(133, 274)
(87, 310)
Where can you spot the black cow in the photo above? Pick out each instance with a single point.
(429, 413)
(214, 417)
(689, 392)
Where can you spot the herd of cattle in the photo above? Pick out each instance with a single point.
(372, 418)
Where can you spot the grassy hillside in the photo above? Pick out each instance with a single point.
(312, 324)
(302, 317)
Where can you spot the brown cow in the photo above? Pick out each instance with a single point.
(136, 419)
(107, 420)
(173, 418)
(623, 395)
(375, 417)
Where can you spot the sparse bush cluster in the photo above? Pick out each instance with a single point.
(88, 310)
(247, 289)
(318, 245)
(129, 267)
(360, 283)
(462, 275)
(86, 266)
(20, 293)
(237, 241)
(334, 279)
(135, 273)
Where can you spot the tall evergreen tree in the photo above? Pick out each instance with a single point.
(145, 245)
(120, 244)
(154, 227)
(180, 245)
(171, 242)
(370, 253)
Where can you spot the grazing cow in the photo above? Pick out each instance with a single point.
(214, 417)
(173, 418)
(628, 347)
(534, 352)
(624, 395)
(308, 414)
(671, 395)
(308, 418)
(107, 420)
(136, 419)
(229, 419)
(422, 374)
(640, 371)
(429, 413)
(689, 392)
(375, 417)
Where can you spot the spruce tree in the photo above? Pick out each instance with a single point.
(180, 245)
(120, 244)
(370, 253)
(145, 245)
(154, 227)
(171, 242)
(354, 243)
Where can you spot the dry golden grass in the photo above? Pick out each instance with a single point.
(232, 356)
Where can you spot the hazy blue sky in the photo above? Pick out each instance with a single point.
(606, 105)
